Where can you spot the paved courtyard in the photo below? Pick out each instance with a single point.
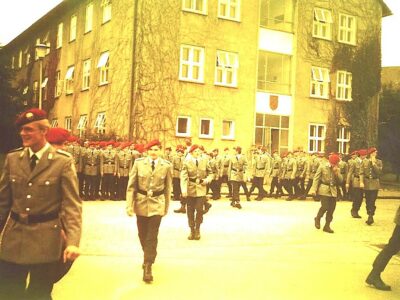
(267, 250)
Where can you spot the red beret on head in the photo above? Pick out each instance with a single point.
(372, 150)
(103, 144)
(363, 152)
(355, 152)
(116, 144)
(57, 135)
(140, 148)
(72, 138)
(193, 147)
(180, 148)
(153, 143)
(334, 159)
(31, 115)
(168, 148)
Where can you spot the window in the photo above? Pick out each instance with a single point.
(59, 35)
(69, 80)
(343, 140)
(103, 66)
(343, 85)
(25, 91)
(28, 57)
(54, 122)
(322, 24)
(206, 128)
(197, 6)
(72, 29)
(89, 18)
(272, 131)
(68, 123)
(347, 29)
(35, 91)
(228, 130)
(277, 14)
(44, 88)
(58, 85)
(274, 72)
(20, 59)
(316, 138)
(106, 5)
(12, 62)
(226, 68)
(86, 75)
(191, 63)
(320, 82)
(229, 9)
(100, 124)
(82, 124)
(183, 126)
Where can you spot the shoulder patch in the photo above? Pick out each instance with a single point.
(63, 152)
(16, 150)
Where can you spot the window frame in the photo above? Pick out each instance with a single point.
(54, 122)
(347, 29)
(325, 21)
(89, 18)
(226, 69)
(191, 64)
(343, 139)
(68, 123)
(69, 80)
(322, 80)
(188, 126)
(73, 28)
(104, 65)
(341, 87)
(106, 11)
(210, 134)
(100, 123)
(231, 135)
(229, 5)
(82, 123)
(193, 9)
(59, 40)
(86, 74)
(316, 139)
(58, 84)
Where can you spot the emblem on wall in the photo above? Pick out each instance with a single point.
(273, 102)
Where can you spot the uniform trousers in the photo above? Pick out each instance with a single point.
(108, 186)
(195, 210)
(13, 279)
(258, 183)
(388, 251)
(91, 186)
(176, 188)
(276, 184)
(224, 179)
(288, 185)
(122, 186)
(357, 197)
(235, 189)
(328, 205)
(81, 181)
(370, 199)
(308, 187)
(148, 236)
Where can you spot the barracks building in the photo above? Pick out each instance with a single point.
(224, 72)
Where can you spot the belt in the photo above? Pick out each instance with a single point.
(226, 166)
(91, 164)
(32, 219)
(260, 168)
(177, 169)
(124, 167)
(198, 181)
(237, 170)
(356, 176)
(150, 193)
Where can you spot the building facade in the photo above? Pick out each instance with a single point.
(276, 73)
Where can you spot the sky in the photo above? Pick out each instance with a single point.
(17, 15)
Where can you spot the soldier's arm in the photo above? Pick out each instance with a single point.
(5, 195)
(184, 180)
(377, 167)
(131, 189)
(349, 174)
(168, 188)
(316, 181)
(294, 171)
(210, 173)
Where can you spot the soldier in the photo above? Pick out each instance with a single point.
(215, 163)
(342, 193)
(259, 168)
(236, 172)
(177, 163)
(383, 258)
(167, 154)
(223, 172)
(195, 175)
(58, 137)
(274, 174)
(148, 196)
(324, 185)
(372, 169)
(355, 177)
(75, 150)
(350, 161)
(40, 209)
(312, 165)
(299, 183)
(91, 170)
(124, 165)
(108, 172)
(290, 175)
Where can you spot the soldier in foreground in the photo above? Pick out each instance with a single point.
(148, 196)
(40, 213)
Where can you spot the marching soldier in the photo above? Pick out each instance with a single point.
(342, 192)
(124, 164)
(236, 172)
(324, 185)
(108, 172)
(167, 154)
(215, 163)
(177, 163)
(311, 168)
(372, 169)
(40, 210)
(260, 167)
(195, 175)
(290, 175)
(223, 172)
(75, 150)
(355, 178)
(148, 196)
(91, 170)
(274, 174)
(299, 182)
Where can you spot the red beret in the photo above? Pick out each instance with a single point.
(238, 148)
(31, 115)
(372, 150)
(355, 152)
(153, 143)
(102, 144)
(363, 152)
(168, 148)
(180, 148)
(193, 147)
(334, 159)
(72, 138)
(140, 148)
(57, 135)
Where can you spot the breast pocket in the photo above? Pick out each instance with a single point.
(17, 184)
(48, 187)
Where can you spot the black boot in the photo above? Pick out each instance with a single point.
(370, 220)
(197, 233)
(181, 210)
(192, 233)
(355, 214)
(207, 207)
(237, 205)
(374, 279)
(147, 274)
(327, 228)
(317, 222)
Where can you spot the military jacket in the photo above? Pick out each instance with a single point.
(108, 162)
(291, 168)
(194, 178)
(355, 174)
(371, 172)
(52, 187)
(282, 170)
(177, 163)
(325, 181)
(343, 166)
(312, 167)
(124, 163)
(76, 151)
(224, 165)
(237, 167)
(397, 217)
(301, 167)
(275, 166)
(260, 165)
(144, 184)
(91, 162)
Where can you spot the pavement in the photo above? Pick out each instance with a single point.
(268, 250)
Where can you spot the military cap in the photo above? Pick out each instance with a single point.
(153, 143)
(57, 135)
(193, 147)
(72, 139)
(140, 148)
(226, 148)
(334, 159)
(168, 148)
(31, 115)
(372, 150)
(363, 152)
(237, 148)
(103, 144)
(180, 148)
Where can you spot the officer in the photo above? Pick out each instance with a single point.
(195, 175)
(372, 169)
(383, 258)
(355, 178)
(260, 167)
(108, 171)
(324, 185)
(148, 196)
(274, 174)
(177, 163)
(91, 170)
(40, 209)
(236, 172)
(124, 164)
(167, 154)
